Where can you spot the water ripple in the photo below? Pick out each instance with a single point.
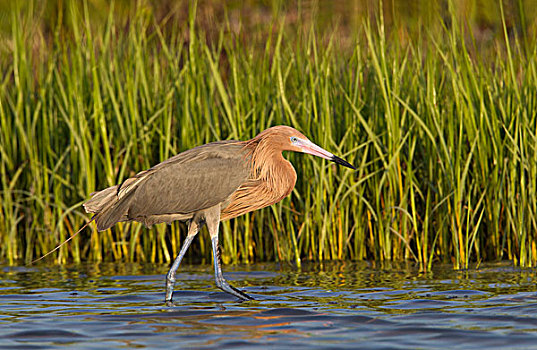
(334, 306)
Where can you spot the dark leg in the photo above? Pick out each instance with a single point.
(193, 230)
(219, 277)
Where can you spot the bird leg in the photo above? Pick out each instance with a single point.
(212, 225)
(193, 229)
(219, 277)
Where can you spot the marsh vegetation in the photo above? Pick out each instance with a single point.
(437, 109)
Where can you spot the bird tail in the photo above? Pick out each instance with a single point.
(100, 199)
(109, 208)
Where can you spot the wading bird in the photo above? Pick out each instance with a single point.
(205, 185)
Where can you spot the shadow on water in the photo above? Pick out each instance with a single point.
(342, 305)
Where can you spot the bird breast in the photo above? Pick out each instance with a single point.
(266, 186)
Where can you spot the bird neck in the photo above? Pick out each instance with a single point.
(269, 166)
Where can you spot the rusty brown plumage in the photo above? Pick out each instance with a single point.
(271, 177)
(205, 185)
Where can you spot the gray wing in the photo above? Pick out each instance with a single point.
(182, 188)
(186, 183)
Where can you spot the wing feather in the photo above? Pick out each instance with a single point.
(182, 188)
(184, 184)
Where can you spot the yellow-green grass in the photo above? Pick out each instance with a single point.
(441, 127)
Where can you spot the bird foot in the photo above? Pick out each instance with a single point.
(243, 296)
(228, 288)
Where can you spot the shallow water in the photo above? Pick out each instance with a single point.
(333, 305)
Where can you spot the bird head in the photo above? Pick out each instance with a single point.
(289, 139)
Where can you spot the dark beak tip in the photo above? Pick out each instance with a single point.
(340, 161)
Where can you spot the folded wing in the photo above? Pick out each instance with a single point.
(175, 189)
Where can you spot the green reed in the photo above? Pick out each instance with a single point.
(443, 134)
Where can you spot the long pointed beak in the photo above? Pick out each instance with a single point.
(311, 148)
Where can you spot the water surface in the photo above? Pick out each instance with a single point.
(330, 305)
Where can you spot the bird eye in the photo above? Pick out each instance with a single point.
(294, 139)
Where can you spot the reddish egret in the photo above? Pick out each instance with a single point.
(205, 185)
